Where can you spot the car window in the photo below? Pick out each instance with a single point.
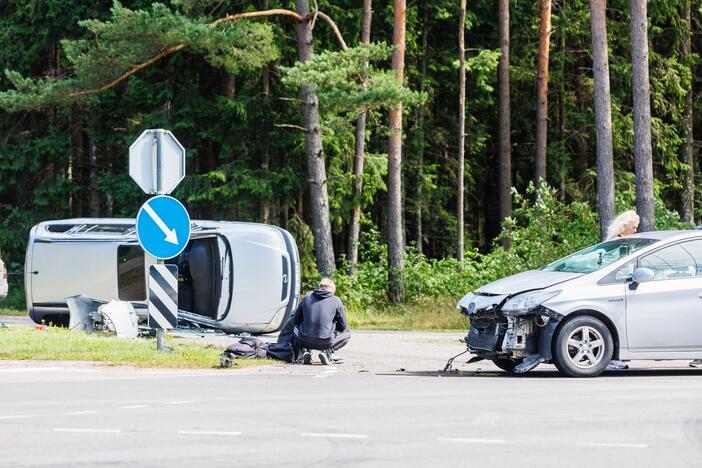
(599, 255)
(131, 281)
(694, 248)
(621, 274)
(670, 263)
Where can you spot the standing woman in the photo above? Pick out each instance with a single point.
(623, 225)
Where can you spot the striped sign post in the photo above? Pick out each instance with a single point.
(163, 297)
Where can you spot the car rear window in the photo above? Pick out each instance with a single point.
(130, 273)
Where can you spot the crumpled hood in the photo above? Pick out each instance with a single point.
(528, 280)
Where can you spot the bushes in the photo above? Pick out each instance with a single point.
(541, 230)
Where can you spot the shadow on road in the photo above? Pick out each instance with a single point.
(546, 374)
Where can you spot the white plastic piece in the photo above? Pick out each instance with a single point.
(120, 317)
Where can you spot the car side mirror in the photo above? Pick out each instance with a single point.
(642, 275)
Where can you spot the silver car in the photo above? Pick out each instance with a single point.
(636, 297)
(232, 276)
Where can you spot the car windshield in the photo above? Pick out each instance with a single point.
(599, 255)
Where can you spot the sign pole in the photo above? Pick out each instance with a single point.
(157, 165)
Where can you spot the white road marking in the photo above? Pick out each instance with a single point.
(335, 436)
(16, 416)
(78, 429)
(10, 370)
(181, 402)
(30, 369)
(472, 441)
(673, 380)
(610, 444)
(75, 413)
(326, 373)
(135, 406)
(220, 433)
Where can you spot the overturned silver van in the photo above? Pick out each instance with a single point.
(232, 276)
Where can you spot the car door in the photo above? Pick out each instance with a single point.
(665, 314)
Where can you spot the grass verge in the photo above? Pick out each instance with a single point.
(424, 314)
(13, 312)
(59, 344)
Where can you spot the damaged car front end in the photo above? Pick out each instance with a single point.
(515, 331)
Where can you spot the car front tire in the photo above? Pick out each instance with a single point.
(583, 347)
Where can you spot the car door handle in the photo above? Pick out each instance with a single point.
(700, 295)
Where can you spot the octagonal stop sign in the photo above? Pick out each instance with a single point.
(157, 161)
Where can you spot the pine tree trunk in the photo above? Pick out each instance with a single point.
(93, 193)
(688, 195)
(561, 107)
(603, 115)
(421, 135)
(265, 203)
(460, 247)
(316, 170)
(396, 286)
(643, 153)
(505, 145)
(542, 90)
(355, 228)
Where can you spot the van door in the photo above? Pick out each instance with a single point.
(67, 268)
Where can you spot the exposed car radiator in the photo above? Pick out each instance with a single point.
(483, 335)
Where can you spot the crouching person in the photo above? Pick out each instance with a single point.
(320, 324)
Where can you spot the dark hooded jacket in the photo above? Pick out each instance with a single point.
(320, 316)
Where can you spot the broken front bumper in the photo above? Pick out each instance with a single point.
(524, 338)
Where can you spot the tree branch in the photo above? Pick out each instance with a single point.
(296, 127)
(226, 19)
(154, 59)
(257, 14)
(333, 26)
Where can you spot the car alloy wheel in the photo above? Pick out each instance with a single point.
(585, 347)
(582, 346)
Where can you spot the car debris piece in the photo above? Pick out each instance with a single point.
(83, 312)
(120, 318)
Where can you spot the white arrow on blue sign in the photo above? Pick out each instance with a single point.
(163, 227)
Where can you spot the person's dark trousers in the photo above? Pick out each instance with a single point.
(335, 343)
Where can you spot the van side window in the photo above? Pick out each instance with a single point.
(130, 273)
(670, 263)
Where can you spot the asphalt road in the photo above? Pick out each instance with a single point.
(67, 414)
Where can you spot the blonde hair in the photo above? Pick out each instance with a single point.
(327, 283)
(620, 223)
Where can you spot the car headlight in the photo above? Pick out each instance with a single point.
(524, 303)
(465, 300)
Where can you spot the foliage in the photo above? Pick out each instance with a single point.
(542, 230)
(230, 96)
(349, 82)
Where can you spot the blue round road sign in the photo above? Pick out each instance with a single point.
(163, 227)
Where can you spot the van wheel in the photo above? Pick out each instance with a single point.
(583, 347)
(506, 365)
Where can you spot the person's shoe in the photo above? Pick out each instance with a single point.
(697, 363)
(617, 365)
(324, 358)
(307, 357)
(335, 359)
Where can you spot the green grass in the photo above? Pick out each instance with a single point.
(13, 312)
(424, 314)
(59, 344)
